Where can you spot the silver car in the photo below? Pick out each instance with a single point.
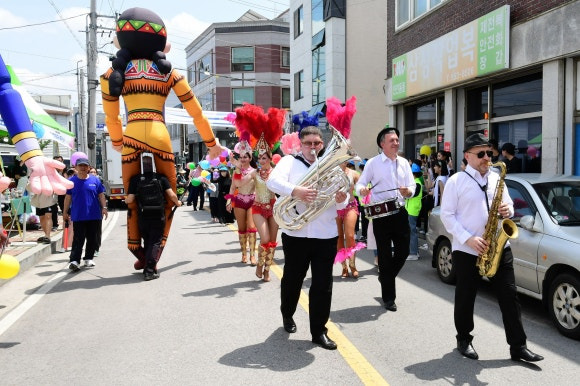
(547, 250)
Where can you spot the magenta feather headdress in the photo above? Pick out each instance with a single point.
(339, 116)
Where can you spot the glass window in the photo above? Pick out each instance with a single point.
(285, 98)
(421, 116)
(299, 85)
(243, 59)
(402, 11)
(241, 95)
(408, 10)
(285, 59)
(523, 203)
(517, 96)
(317, 16)
(420, 7)
(318, 75)
(191, 73)
(526, 135)
(476, 103)
(204, 67)
(298, 22)
(206, 101)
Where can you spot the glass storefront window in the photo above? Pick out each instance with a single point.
(517, 96)
(317, 17)
(526, 135)
(476, 102)
(421, 116)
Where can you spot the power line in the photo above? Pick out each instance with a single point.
(43, 23)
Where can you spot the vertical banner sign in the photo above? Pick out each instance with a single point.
(475, 49)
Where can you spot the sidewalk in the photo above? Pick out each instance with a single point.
(29, 251)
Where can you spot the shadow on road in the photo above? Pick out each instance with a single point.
(277, 353)
(228, 290)
(456, 370)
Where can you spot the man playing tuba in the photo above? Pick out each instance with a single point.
(312, 245)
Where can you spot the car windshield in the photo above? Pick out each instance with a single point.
(562, 200)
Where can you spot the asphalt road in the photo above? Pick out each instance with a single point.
(209, 321)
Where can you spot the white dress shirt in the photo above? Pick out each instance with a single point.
(283, 179)
(386, 176)
(464, 212)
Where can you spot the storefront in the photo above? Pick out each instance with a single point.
(515, 85)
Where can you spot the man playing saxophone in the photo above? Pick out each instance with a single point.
(314, 244)
(465, 211)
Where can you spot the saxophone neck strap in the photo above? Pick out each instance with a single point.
(483, 189)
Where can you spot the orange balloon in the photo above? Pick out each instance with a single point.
(9, 267)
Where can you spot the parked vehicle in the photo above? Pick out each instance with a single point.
(112, 173)
(547, 250)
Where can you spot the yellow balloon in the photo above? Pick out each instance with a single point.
(204, 173)
(9, 267)
(425, 150)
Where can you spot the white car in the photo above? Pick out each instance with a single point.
(547, 250)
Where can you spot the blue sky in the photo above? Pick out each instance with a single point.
(39, 52)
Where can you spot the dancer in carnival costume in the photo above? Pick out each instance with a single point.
(340, 117)
(141, 74)
(265, 130)
(242, 191)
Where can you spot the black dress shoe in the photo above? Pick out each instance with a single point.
(391, 306)
(466, 349)
(289, 325)
(324, 341)
(523, 354)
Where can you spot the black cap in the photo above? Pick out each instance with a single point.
(385, 131)
(475, 140)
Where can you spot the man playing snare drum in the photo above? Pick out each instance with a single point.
(389, 178)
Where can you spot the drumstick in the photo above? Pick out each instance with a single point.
(388, 190)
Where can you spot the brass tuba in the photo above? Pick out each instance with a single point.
(497, 231)
(326, 176)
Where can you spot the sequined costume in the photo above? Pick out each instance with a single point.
(352, 205)
(265, 199)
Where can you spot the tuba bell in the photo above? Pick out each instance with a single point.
(326, 176)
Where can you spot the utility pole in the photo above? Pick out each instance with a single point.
(82, 141)
(92, 82)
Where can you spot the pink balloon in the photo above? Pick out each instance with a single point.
(207, 157)
(214, 162)
(276, 158)
(225, 153)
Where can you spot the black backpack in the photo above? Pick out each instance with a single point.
(150, 197)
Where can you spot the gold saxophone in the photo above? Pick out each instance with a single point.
(497, 231)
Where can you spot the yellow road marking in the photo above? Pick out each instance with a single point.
(358, 363)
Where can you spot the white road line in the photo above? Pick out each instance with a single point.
(31, 300)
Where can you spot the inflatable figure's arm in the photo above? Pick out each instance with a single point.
(191, 104)
(112, 117)
(44, 177)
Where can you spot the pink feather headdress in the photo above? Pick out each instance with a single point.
(339, 116)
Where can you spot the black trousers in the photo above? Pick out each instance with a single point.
(88, 230)
(364, 221)
(299, 254)
(503, 283)
(395, 229)
(194, 193)
(152, 234)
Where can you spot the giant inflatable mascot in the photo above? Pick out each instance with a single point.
(141, 74)
(44, 177)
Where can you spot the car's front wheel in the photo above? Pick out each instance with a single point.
(564, 304)
(444, 262)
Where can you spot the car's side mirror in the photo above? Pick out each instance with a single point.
(530, 223)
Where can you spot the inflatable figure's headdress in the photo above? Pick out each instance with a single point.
(261, 130)
(141, 34)
(305, 120)
(339, 115)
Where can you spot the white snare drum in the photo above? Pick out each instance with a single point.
(382, 209)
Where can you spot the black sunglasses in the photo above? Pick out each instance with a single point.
(482, 153)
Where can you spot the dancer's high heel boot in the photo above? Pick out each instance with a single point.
(243, 236)
(252, 244)
(262, 256)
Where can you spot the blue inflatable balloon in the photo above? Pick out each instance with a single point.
(205, 165)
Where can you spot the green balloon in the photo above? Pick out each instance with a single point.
(195, 181)
(191, 165)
